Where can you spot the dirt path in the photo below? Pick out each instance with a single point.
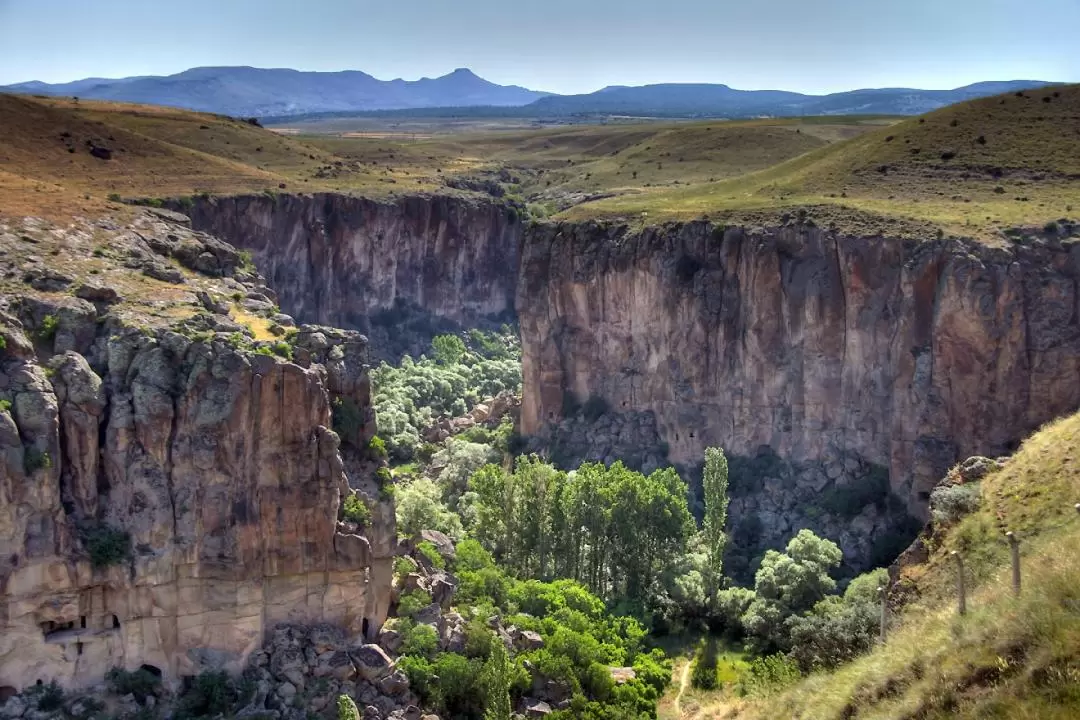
(683, 682)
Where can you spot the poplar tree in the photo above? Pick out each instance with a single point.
(715, 486)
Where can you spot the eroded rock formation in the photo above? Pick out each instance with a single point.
(168, 496)
(820, 361)
(373, 265)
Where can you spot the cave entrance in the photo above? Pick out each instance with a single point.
(364, 627)
(152, 669)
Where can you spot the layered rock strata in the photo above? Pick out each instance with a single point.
(167, 494)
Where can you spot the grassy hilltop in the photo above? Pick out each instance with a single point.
(971, 169)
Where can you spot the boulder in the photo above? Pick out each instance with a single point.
(534, 708)
(371, 662)
(395, 683)
(441, 541)
(97, 293)
(526, 640)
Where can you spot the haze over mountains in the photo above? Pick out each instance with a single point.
(272, 93)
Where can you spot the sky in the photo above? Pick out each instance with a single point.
(565, 46)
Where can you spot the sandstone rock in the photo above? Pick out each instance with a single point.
(534, 708)
(372, 662)
(390, 640)
(395, 683)
(441, 541)
(526, 640)
(442, 587)
(162, 272)
(96, 293)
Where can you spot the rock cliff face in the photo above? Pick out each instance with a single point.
(836, 369)
(166, 496)
(371, 266)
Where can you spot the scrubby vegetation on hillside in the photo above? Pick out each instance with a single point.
(449, 383)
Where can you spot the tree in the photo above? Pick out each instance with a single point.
(715, 485)
(495, 680)
(448, 349)
(419, 507)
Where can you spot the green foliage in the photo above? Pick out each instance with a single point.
(49, 326)
(34, 460)
(114, 197)
(950, 503)
(246, 260)
(767, 675)
(715, 486)
(282, 349)
(419, 506)
(611, 528)
(448, 349)
(355, 510)
(208, 695)
(429, 551)
(106, 545)
(413, 602)
(495, 681)
(404, 566)
(50, 697)
(346, 708)
(420, 672)
(411, 396)
(418, 640)
(347, 418)
(377, 448)
(704, 675)
(5, 406)
(140, 683)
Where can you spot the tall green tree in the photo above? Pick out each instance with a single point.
(496, 679)
(715, 485)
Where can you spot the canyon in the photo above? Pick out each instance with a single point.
(170, 496)
(843, 374)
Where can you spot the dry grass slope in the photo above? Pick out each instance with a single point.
(972, 168)
(1014, 658)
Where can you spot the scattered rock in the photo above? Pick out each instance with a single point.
(372, 662)
(46, 280)
(96, 293)
(164, 273)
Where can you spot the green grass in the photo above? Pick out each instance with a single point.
(982, 165)
(1009, 657)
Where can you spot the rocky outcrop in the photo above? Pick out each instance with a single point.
(392, 269)
(823, 363)
(168, 495)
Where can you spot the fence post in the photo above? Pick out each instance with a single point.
(884, 614)
(1014, 549)
(960, 590)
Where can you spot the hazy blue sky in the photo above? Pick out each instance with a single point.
(556, 45)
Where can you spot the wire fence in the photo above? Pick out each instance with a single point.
(961, 584)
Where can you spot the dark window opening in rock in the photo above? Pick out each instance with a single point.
(364, 628)
(78, 648)
(152, 669)
(39, 682)
(691, 436)
(116, 622)
(82, 622)
(6, 693)
(676, 437)
(50, 628)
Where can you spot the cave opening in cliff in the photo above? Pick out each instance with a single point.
(50, 628)
(115, 622)
(365, 628)
(152, 669)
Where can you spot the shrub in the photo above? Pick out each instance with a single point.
(3, 343)
(346, 708)
(5, 406)
(767, 675)
(347, 418)
(704, 674)
(48, 328)
(429, 551)
(246, 261)
(142, 683)
(384, 476)
(419, 640)
(950, 503)
(114, 197)
(209, 694)
(377, 446)
(420, 673)
(413, 602)
(34, 460)
(282, 349)
(50, 697)
(403, 566)
(106, 546)
(355, 510)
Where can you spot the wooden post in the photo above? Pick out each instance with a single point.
(960, 591)
(884, 614)
(1014, 549)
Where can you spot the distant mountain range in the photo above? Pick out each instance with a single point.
(276, 93)
(265, 93)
